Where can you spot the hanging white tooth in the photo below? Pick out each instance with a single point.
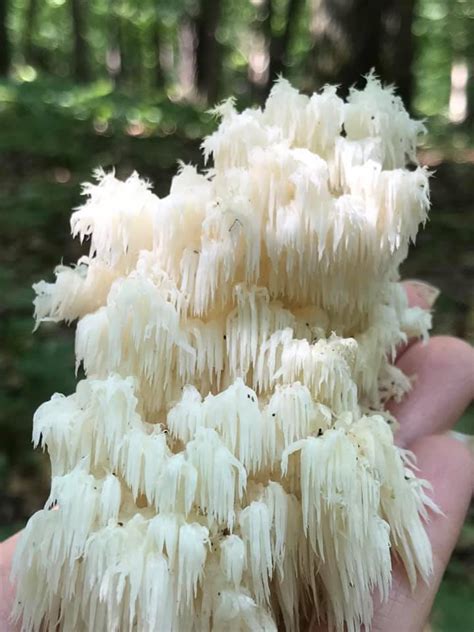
(110, 498)
(255, 523)
(221, 478)
(233, 559)
(164, 530)
(176, 486)
(193, 541)
(77, 291)
(117, 217)
(237, 611)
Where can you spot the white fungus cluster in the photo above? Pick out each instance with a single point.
(228, 464)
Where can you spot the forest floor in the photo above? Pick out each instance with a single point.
(52, 137)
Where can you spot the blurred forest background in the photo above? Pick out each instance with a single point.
(128, 84)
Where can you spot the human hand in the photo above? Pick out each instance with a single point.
(444, 387)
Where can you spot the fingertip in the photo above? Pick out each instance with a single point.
(420, 293)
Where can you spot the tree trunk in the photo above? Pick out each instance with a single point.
(279, 44)
(187, 56)
(113, 52)
(398, 47)
(80, 61)
(5, 59)
(208, 50)
(470, 100)
(28, 30)
(132, 59)
(347, 41)
(159, 75)
(258, 73)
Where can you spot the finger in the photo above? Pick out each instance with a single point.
(7, 590)
(419, 294)
(449, 466)
(444, 386)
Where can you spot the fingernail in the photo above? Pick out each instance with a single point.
(429, 293)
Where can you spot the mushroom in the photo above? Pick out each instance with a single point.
(227, 463)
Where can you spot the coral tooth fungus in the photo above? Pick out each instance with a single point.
(227, 464)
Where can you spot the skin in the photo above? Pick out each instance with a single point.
(444, 368)
(444, 388)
